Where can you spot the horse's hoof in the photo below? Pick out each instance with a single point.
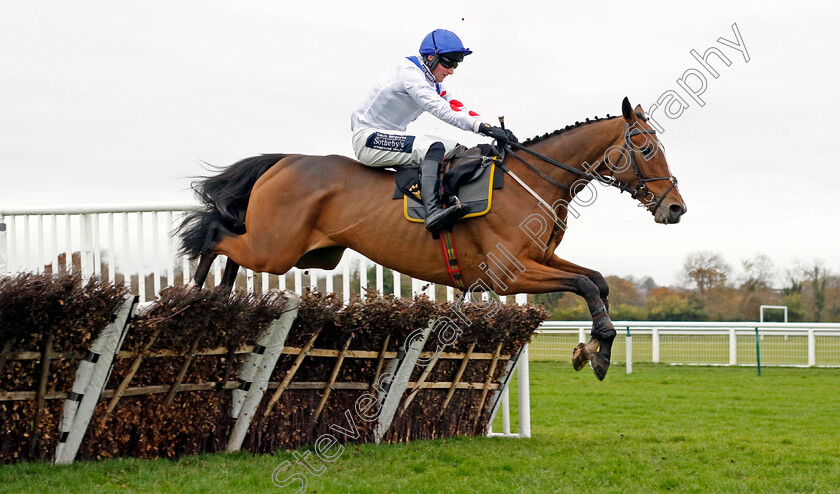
(599, 365)
(579, 357)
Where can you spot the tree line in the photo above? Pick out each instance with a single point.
(710, 289)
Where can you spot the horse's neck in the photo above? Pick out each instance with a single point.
(583, 148)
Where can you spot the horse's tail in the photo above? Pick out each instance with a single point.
(225, 197)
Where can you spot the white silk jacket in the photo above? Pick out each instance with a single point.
(401, 96)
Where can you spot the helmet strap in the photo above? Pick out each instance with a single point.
(433, 63)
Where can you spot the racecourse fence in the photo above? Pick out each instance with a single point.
(700, 343)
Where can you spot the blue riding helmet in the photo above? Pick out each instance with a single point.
(441, 41)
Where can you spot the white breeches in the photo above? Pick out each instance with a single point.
(383, 148)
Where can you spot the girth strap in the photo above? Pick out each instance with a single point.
(450, 257)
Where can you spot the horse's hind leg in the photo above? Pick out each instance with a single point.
(275, 257)
(204, 263)
(231, 270)
(215, 232)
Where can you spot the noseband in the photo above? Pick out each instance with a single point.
(638, 191)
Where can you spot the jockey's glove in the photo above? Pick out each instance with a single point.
(498, 133)
(510, 136)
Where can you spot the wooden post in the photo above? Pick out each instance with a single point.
(333, 376)
(135, 366)
(291, 373)
(488, 381)
(457, 378)
(40, 402)
(183, 372)
(6, 352)
(229, 357)
(379, 362)
(420, 381)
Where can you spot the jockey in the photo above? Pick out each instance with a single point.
(413, 87)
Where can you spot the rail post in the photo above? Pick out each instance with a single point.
(4, 268)
(757, 352)
(363, 278)
(654, 342)
(628, 345)
(524, 383)
(506, 412)
(812, 348)
(524, 395)
(345, 281)
(86, 257)
(733, 347)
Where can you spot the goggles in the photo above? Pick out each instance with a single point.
(451, 60)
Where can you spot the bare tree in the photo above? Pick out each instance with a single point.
(706, 270)
(755, 285)
(816, 274)
(759, 273)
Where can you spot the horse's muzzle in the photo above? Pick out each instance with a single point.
(669, 214)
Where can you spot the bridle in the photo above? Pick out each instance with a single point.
(639, 191)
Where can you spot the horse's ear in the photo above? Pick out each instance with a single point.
(640, 113)
(627, 110)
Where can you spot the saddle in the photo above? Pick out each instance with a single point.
(470, 175)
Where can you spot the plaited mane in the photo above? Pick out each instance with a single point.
(545, 136)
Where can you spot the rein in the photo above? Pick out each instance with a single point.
(638, 191)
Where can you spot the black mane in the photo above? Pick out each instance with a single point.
(545, 136)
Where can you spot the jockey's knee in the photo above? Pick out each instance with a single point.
(436, 152)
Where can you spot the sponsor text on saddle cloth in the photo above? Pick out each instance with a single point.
(471, 177)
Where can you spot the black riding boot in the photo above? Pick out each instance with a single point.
(436, 217)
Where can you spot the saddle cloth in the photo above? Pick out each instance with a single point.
(472, 176)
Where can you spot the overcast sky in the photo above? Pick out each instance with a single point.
(118, 102)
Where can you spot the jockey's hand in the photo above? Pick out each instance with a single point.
(510, 136)
(497, 133)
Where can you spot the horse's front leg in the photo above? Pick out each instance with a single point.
(539, 278)
(594, 276)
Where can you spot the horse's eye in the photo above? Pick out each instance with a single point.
(648, 151)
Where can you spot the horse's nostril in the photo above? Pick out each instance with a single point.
(676, 210)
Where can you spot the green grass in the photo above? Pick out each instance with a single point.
(699, 349)
(661, 429)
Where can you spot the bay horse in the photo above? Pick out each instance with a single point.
(274, 212)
